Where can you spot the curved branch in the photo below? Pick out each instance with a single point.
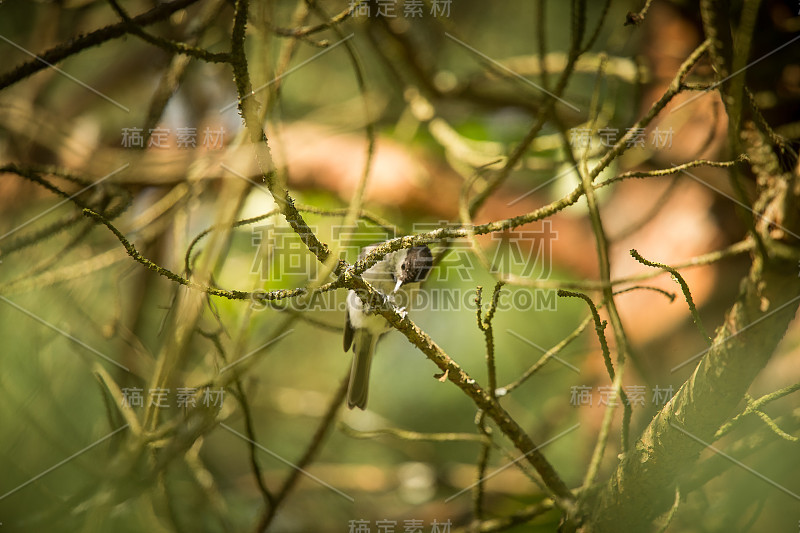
(88, 40)
(232, 295)
(167, 44)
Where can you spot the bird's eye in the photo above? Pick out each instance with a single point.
(403, 266)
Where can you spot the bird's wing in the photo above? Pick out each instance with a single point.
(348, 331)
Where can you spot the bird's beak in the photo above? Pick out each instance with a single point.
(397, 285)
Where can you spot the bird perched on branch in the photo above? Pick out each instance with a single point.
(398, 270)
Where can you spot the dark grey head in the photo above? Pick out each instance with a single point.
(415, 266)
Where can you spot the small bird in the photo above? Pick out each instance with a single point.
(363, 326)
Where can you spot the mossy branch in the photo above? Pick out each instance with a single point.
(82, 42)
(478, 394)
(684, 288)
(174, 47)
(231, 295)
(754, 406)
(642, 487)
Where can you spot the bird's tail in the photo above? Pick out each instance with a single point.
(363, 348)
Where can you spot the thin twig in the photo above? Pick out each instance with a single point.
(755, 406)
(313, 448)
(232, 295)
(412, 435)
(684, 287)
(637, 18)
(82, 42)
(175, 47)
(549, 354)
